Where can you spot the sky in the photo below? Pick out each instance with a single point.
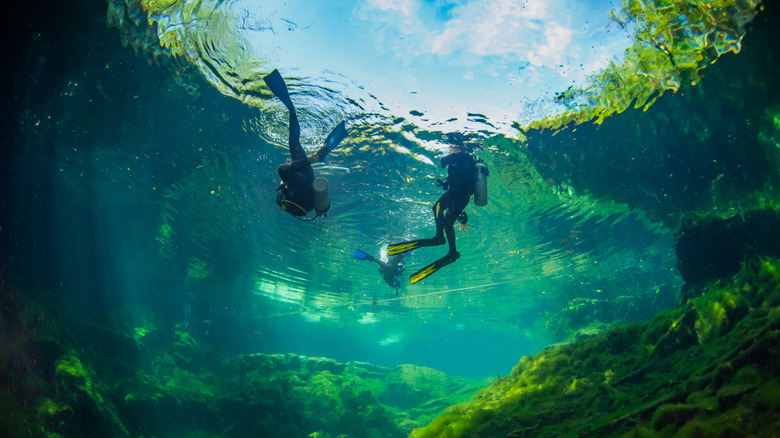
(444, 59)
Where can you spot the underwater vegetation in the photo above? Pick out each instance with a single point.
(709, 147)
(141, 380)
(707, 368)
(673, 43)
(701, 162)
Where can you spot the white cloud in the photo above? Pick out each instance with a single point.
(409, 22)
(495, 27)
(557, 40)
(483, 28)
(405, 7)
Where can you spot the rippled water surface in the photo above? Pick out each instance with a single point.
(155, 157)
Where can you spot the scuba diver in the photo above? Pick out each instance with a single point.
(391, 271)
(299, 191)
(465, 177)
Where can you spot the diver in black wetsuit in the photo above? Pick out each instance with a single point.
(459, 186)
(391, 270)
(296, 194)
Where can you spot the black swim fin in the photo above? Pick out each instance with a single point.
(336, 136)
(276, 84)
(433, 267)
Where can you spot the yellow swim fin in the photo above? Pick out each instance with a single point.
(433, 267)
(398, 248)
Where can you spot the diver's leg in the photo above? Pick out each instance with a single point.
(440, 217)
(450, 257)
(441, 220)
(296, 149)
(458, 200)
(300, 159)
(438, 239)
(277, 86)
(450, 230)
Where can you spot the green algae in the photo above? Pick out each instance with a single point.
(76, 387)
(74, 380)
(55, 414)
(707, 368)
(770, 126)
(673, 42)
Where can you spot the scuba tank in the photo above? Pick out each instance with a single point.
(480, 184)
(321, 199)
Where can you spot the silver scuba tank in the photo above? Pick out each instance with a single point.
(321, 199)
(480, 184)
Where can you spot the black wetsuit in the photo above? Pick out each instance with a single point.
(459, 187)
(297, 177)
(392, 271)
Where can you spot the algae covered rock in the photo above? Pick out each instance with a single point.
(729, 396)
(709, 368)
(319, 364)
(76, 387)
(680, 335)
(54, 414)
(410, 385)
(245, 363)
(367, 370)
(673, 414)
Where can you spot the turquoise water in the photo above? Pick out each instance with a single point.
(128, 151)
(135, 188)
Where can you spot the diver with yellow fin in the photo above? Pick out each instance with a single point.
(299, 191)
(465, 177)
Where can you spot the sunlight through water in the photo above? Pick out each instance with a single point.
(403, 75)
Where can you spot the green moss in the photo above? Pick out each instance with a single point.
(769, 132)
(74, 381)
(718, 312)
(669, 48)
(673, 415)
(610, 385)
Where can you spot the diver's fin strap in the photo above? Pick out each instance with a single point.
(399, 248)
(433, 267)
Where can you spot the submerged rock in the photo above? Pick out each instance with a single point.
(318, 364)
(708, 368)
(411, 385)
(75, 386)
(710, 248)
